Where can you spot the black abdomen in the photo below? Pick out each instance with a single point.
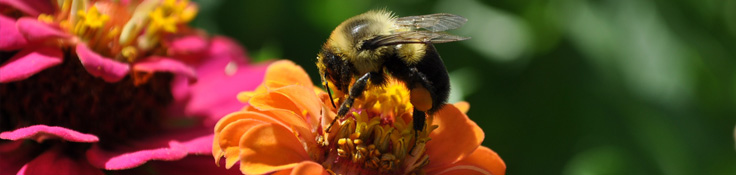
(434, 70)
(429, 72)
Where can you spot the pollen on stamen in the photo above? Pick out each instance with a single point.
(376, 136)
(111, 28)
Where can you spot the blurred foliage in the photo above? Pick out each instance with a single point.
(575, 87)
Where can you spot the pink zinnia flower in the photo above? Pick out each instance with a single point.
(112, 85)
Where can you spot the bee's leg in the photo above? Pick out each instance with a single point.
(419, 119)
(423, 97)
(355, 91)
(422, 92)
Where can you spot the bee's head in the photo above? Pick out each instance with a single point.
(343, 49)
(334, 69)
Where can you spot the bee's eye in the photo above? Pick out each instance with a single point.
(331, 64)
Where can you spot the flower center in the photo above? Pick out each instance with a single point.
(66, 95)
(377, 136)
(125, 32)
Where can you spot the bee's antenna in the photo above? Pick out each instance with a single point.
(329, 92)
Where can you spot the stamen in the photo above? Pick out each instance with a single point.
(76, 6)
(377, 136)
(93, 18)
(382, 137)
(343, 151)
(65, 8)
(46, 18)
(373, 156)
(130, 53)
(188, 14)
(387, 162)
(132, 28)
(400, 148)
(161, 21)
(141, 28)
(361, 154)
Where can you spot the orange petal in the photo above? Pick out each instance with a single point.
(268, 148)
(305, 99)
(296, 99)
(217, 151)
(280, 73)
(230, 136)
(463, 170)
(295, 123)
(283, 172)
(304, 168)
(299, 100)
(273, 100)
(463, 106)
(328, 116)
(285, 72)
(232, 117)
(482, 161)
(245, 96)
(456, 137)
(318, 90)
(308, 167)
(288, 117)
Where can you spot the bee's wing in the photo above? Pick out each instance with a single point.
(432, 22)
(407, 37)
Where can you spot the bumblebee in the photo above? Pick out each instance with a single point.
(369, 47)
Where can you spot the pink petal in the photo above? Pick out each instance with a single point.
(194, 165)
(181, 91)
(99, 66)
(225, 47)
(201, 145)
(221, 76)
(31, 7)
(189, 48)
(12, 39)
(163, 64)
(216, 105)
(43, 132)
(117, 161)
(28, 62)
(168, 146)
(55, 162)
(37, 31)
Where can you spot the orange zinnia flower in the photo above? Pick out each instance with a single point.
(282, 131)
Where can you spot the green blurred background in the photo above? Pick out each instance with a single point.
(573, 87)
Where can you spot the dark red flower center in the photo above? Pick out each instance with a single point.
(67, 96)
